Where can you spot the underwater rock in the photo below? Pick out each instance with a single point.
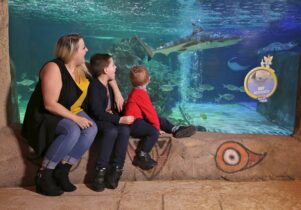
(280, 107)
(13, 108)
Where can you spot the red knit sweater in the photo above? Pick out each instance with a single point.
(140, 106)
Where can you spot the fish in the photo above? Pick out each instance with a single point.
(203, 116)
(234, 66)
(276, 47)
(234, 88)
(226, 96)
(198, 40)
(100, 37)
(166, 88)
(205, 87)
(196, 95)
(26, 82)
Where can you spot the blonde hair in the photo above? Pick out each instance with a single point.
(66, 47)
(139, 75)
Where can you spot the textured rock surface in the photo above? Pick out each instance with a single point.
(4, 64)
(189, 158)
(280, 108)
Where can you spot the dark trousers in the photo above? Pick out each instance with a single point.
(113, 145)
(147, 133)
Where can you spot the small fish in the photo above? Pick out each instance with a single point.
(226, 96)
(26, 82)
(196, 95)
(234, 88)
(230, 87)
(203, 116)
(205, 87)
(101, 37)
(166, 88)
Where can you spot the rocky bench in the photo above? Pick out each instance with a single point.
(202, 156)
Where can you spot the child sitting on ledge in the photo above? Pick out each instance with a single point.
(147, 125)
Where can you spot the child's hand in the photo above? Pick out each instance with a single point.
(119, 102)
(126, 120)
(161, 132)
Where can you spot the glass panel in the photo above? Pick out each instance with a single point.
(198, 53)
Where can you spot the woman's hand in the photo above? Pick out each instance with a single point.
(126, 120)
(82, 122)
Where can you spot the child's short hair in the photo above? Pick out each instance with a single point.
(139, 75)
(98, 62)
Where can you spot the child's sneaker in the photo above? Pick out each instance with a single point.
(144, 161)
(201, 128)
(184, 131)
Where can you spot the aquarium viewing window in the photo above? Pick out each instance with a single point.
(200, 54)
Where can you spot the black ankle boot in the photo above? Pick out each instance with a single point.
(45, 183)
(113, 177)
(98, 183)
(144, 161)
(61, 174)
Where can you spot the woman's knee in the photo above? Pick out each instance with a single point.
(91, 131)
(70, 129)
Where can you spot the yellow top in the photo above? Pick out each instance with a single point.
(83, 85)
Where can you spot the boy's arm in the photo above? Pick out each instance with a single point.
(96, 96)
(117, 95)
(148, 109)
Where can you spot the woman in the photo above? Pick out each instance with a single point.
(55, 123)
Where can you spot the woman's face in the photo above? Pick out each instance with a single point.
(111, 69)
(81, 52)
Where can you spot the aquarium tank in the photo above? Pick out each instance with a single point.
(198, 52)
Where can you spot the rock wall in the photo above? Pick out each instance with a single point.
(297, 132)
(203, 156)
(4, 63)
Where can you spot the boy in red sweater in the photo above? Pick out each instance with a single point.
(147, 125)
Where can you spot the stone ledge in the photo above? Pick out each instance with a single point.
(167, 195)
(191, 158)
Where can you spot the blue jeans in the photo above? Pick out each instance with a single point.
(71, 142)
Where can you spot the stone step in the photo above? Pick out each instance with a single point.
(167, 195)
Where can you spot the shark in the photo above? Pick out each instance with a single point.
(198, 40)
